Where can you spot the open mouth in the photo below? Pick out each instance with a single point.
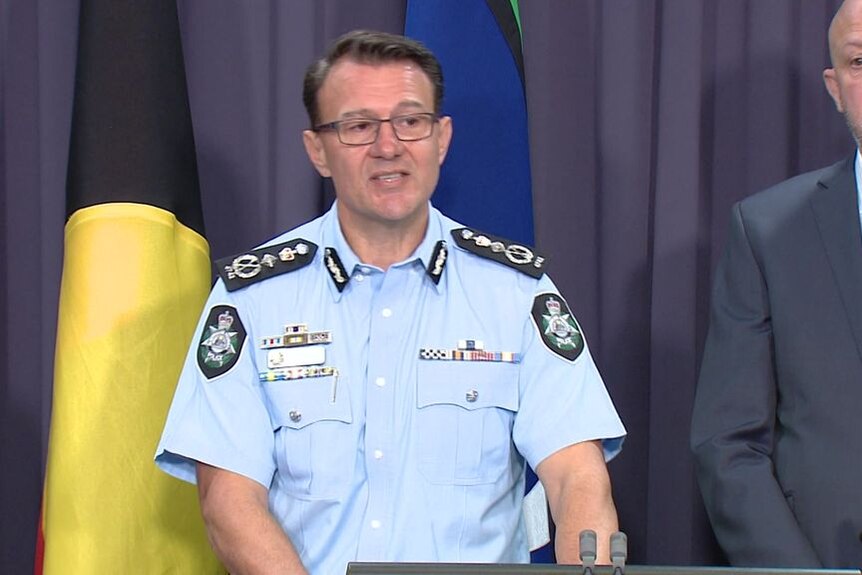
(389, 177)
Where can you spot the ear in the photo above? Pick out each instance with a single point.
(316, 153)
(444, 136)
(831, 80)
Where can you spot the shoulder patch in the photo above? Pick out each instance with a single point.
(221, 341)
(500, 250)
(557, 326)
(264, 263)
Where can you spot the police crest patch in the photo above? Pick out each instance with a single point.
(557, 326)
(221, 341)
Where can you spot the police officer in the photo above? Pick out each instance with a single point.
(370, 385)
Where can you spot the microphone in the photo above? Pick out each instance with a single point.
(587, 544)
(619, 552)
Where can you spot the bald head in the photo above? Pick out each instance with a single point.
(844, 79)
(846, 22)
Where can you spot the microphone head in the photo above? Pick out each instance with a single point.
(619, 548)
(587, 544)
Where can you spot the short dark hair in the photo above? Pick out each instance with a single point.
(369, 47)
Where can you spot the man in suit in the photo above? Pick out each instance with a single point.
(775, 429)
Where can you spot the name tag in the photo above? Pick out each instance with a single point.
(296, 356)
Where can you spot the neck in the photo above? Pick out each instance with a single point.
(382, 244)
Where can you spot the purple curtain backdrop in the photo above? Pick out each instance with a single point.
(648, 119)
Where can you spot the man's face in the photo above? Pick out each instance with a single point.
(387, 183)
(844, 79)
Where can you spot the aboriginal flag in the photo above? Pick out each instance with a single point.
(136, 273)
(485, 181)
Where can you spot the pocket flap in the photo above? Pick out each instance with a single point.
(298, 403)
(471, 385)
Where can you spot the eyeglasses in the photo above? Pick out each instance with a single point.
(364, 131)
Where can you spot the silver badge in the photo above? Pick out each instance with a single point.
(244, 266)
(518, 254)
(334, 270)
(440, 261)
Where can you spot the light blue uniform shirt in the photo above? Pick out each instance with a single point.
(399, 458)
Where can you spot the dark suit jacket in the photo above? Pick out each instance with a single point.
(776, 429)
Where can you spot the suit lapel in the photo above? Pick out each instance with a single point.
(837, 215)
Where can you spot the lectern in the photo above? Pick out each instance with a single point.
(536, 569)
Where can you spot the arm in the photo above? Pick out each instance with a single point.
(576, 481)
(734, 418)
(243, 533)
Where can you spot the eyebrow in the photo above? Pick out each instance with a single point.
(367, 113)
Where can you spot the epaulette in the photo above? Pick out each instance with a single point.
(500, 250)
(263, 263)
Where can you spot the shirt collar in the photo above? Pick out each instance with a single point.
(858, 170)
(341, 261)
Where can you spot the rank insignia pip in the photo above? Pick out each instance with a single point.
(500, 250)
(557, 326)
(221, 341)
(263, 263)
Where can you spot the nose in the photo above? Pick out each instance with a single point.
(387, 144)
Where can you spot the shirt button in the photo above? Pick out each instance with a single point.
(359, 277)
(380, 382)
(294, 415)
(378, 454)
(375, 524)
(472, 395)
(386, 312)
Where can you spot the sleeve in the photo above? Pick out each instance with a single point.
(218, 415)
(563, 399)
(733, 422)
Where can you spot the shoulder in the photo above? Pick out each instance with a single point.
(263, 263)
(286, 253)
(484, 246)
(792, 193)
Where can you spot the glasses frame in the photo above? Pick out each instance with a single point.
(336, 127)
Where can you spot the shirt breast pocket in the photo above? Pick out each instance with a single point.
(465, 414)
(315, 439)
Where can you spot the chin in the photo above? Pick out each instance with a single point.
(397, 217)
(398, 209)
